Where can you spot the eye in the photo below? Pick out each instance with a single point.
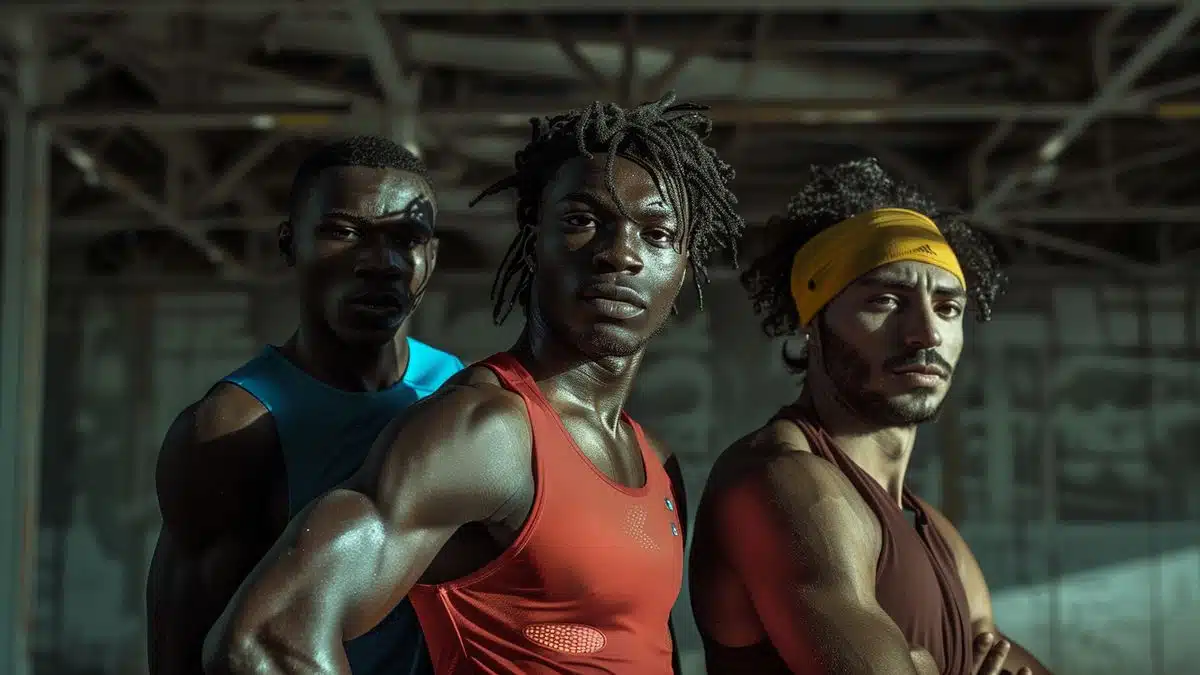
(660, 236)
(580, 220)
(340, 232)
(950, 310)
(884, 301)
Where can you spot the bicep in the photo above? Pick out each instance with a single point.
(352, 554)
(806, 557)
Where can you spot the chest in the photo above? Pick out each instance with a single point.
(917, 584)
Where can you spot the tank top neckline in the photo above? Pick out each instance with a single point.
(521, 378)
(400, 386)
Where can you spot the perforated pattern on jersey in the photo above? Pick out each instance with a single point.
(566, 638)
(635, 527)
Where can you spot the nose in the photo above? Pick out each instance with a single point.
(922, 329)
(379, 262)
(618, 253)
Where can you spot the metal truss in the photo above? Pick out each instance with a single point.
(1068, 132)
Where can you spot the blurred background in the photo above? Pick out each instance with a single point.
(149, 145)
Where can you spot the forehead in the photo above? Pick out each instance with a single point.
(633, 181)
(369, 190)
(912, 274)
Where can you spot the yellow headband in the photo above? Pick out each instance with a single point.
(833, 259)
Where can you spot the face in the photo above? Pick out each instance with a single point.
(889, 343)
(606, 281)
(363, 247)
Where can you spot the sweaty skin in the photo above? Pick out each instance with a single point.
(783, 561)
(449, 484)
(220, 478)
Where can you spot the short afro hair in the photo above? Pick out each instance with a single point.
(373, 152)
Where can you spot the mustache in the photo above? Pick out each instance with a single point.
(924, 357)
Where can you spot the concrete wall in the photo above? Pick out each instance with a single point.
(1068, 451)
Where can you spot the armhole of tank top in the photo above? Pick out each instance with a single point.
(535, 510)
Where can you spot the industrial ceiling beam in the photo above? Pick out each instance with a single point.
(259, 7)
(230, 180)
(87, 162)
(1112, 94)
(509, 114)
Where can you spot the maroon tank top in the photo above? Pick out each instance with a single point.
(916, 577)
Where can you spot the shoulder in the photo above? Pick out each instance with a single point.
(428, 366)
(468, 442)
(772, 473)
(215, 452)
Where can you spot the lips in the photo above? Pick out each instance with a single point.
(933, 371)
(378, 300)
(614, 293)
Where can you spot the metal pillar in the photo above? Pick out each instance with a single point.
(22, 350)
(402, 117)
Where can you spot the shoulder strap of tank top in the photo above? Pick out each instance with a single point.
(513, 375)
(818, 441)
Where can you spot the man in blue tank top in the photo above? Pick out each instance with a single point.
(298, 419)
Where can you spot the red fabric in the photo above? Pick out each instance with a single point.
(589, 583)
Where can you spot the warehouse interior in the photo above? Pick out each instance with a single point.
(149, 146)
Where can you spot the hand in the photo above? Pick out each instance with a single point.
(990, 654)
(924, 662)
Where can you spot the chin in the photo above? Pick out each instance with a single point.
(608, 341)
(366, 337)
(915, 408)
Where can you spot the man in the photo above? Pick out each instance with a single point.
(522, 511)
(804, 559)
(299, 419)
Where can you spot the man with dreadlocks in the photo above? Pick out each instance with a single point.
(528, 519)
(810, 555)
(299, 418)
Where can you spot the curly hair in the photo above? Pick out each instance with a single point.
(834, 194)
(667, 135)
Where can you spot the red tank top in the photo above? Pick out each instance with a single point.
(588, 584)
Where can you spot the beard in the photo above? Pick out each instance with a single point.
(848, 371)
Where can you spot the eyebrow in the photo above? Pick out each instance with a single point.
(605, 199)
(954, 292)
(404, 215)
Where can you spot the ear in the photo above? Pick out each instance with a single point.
(435, 245)
(287, 243)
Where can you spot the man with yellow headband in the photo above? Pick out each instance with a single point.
(810, 556)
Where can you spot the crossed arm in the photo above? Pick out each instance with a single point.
(345, 561)
(980, 600)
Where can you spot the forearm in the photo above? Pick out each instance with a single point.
(824, 639)
(291, 615)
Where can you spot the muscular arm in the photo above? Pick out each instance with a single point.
(979, 598)
(349, 557)
(214, 487)
(804, 546)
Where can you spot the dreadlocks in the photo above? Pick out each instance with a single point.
(669, 136)
(834, 194)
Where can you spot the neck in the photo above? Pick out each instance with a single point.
(573, 380)
(882, 451)
(358, 368)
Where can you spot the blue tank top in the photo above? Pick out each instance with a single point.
(325, 435)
